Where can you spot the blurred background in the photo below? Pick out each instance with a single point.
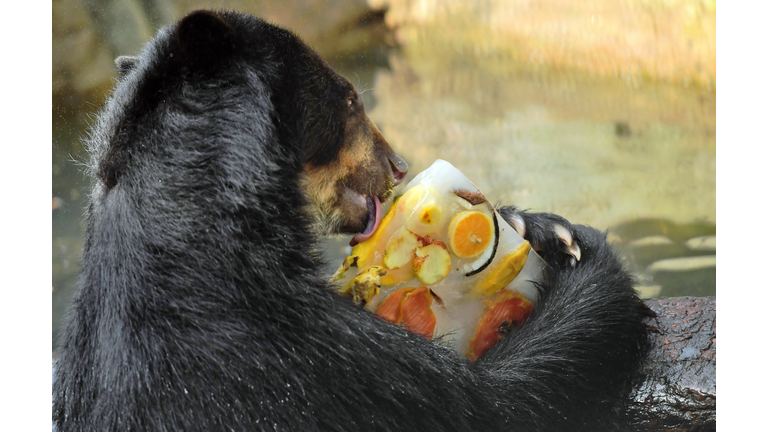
(602, 111)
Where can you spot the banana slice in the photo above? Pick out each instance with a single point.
(503, 272)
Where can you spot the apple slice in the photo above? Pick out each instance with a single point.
(422, 208)
(400, 249)
(432, 262)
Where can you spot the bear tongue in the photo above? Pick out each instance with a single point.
(374, 219)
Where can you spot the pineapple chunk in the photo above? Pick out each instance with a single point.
(365, 286)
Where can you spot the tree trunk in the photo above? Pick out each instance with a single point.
(677, 391)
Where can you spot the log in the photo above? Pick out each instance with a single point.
(677, 389)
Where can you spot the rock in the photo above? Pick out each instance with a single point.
(689, 276)
(704, 243)
(648, 291)
(683, 264)
(651, 241)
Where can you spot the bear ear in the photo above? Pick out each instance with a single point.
(204, 35)
(125, 64)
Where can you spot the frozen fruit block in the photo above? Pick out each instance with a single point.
(445, 264)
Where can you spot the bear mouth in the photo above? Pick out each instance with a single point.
(373, 203)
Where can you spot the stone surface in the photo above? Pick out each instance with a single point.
(648, 291)
(683, 264)
(704, 243)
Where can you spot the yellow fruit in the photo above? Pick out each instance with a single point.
(400, 249)
(410, 199)
(422, 209)
(365, 250)
(505, 311)
(348, 262)
(504, 272)
(470, 233)
(365, 286)
(425, 219)
(388, 280)
(432, 263)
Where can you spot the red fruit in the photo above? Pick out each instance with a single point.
(505, 311)
(391, 309)
(411, 307)
(417, 315)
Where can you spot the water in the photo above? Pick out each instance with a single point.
(624, 153)
(637, 160)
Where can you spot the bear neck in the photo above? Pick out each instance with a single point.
(154, 242)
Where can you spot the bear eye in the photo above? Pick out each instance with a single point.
(351, 101)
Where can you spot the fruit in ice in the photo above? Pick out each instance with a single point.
(504, 311)
(411, 307)
(470, 234)
(503, 272)
(432, 262)
(400, 249)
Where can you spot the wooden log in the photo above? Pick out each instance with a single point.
(677, 390)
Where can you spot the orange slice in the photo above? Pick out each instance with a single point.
(470, 233)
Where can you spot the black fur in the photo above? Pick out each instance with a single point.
(125, 64)
(202, 304)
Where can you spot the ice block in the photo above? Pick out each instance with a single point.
(445, 264)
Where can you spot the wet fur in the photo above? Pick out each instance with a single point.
(202, 306)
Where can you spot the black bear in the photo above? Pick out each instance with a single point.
(226, 149)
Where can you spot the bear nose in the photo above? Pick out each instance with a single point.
(399, 168)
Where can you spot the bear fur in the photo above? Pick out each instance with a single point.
(203, 305)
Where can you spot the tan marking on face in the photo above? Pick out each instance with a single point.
(323, 184)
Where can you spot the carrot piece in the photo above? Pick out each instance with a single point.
(411, 307)
(391, 309)
(417, 315)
